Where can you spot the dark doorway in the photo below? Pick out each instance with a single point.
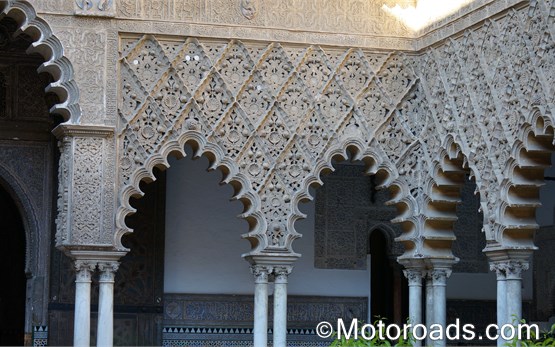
(381, 280)
(13, 288)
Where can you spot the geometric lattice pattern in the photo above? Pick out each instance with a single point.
(272, 116)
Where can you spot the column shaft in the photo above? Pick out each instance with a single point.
(513, 284)
(260, 330)
(105, 327)
(429, 306)
(280, 307)
(82, 317)
(414, 277)
(501, 300)
(439, 278)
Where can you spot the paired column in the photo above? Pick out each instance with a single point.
(105, 327)
(414, 277)
(262, 275)
(260, 332)
(508, 265)
(82, 318)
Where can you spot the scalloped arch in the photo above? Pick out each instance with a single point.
(50, 48)
(218, 160)
(375, 164)
(523, 177)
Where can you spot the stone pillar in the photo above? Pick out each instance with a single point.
(260, 304)
(513, 280)
(499, 269)
(82, 317)
(429, 305)
(105, 330)
(280, 305)
(439, 282)
(414, 276)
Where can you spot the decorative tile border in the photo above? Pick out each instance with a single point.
(232, 337)
(40, 335)
(200, 310)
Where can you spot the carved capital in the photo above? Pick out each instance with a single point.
(108, 271)
(514, 269)
(414, 276)
(439, 276)
(500, 270)
(84, 270)
(509, 269)
(281, 273)
(261, 273)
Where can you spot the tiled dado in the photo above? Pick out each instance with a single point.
(226, 320)
(233, 337)
(40, 335)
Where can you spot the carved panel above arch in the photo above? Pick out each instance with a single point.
(269, 117)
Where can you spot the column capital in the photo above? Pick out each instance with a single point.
(500, 270)
(108, 271)
(281, 273)
(261, 273)
(514, 268)
(509, 269)
(439, 276)
(414, 276)
(84, 270)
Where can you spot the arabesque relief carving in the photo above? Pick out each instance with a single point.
(272, 116)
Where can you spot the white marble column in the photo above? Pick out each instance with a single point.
(429, 305)
(105, 327)
(439, 282)
(499, 269)
(260, 304)
(414, 277)
(280, 305)
(82, 317)
(513, 280)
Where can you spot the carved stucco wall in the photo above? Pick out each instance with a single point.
(491, 89)
(272, 115)
(348, 209)
(397, 108)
